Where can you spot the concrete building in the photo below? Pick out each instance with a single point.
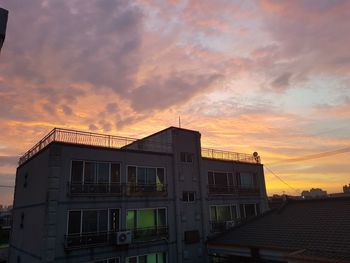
(86, 197)
(3, 23)
(314, 193)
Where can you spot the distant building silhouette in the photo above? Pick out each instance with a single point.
(85, 197)
(3, 24)
(314, 193)
(346, 189)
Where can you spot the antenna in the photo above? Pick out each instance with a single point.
(179, 121)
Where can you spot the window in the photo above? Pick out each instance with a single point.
(87, 172)
(150, 258)
(109, 260)
(186, 157)
(222, 213)
(149, 179)
(95, 178)
(147, 223)
(22, 220)
(249, 210)
(220, 178)
(89, 221)
(247, 180)
(188, 197)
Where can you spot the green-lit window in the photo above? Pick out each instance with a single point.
(150, 258)
(146, 218)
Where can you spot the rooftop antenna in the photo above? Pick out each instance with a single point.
(179, 121)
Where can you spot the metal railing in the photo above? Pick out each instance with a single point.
(90, 239)
(219, 189)
(101, 238)
(116, 189)
(93, 139)
(230, 156)
(93, 189)
(150, 233)
(146, 189)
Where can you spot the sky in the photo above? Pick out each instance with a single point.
(265, 76)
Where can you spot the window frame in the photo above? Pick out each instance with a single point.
(153, 208)
(93, 209)
(229, 205)
(95, 175)
(227, 177)
(142, 255)
(188, 196)
(141, 166)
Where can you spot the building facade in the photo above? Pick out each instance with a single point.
(84, 197)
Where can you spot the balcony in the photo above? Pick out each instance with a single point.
(95, 189)
(93, 239)
(150, 233)
(216, 189)
(147, 190)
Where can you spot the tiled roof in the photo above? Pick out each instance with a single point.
(319, 228)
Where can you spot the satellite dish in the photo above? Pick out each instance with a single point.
(255, 154)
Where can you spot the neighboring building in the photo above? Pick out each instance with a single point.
(84, 197)
(314, 230)
(314, 193)
(3, 23)
(346, 189)
(277, 201)
(346, 192)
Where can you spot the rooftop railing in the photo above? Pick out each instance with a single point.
(111, 141)
(92, 139)
(230, 156)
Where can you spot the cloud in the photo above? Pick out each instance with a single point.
(282, 82)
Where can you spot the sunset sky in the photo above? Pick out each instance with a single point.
(265, 76)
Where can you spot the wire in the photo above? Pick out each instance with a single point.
(283, 181)
(314, 156)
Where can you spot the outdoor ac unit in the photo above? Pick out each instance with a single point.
(123, 237)
(229, 224)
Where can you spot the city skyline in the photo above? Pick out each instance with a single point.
(250, 76)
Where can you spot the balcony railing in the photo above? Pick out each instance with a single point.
(230, 156)
(93, 139)
(150, 233)
(217, 189)
(102, 238)
(91, 239)
(116, 189)
(147, 189)
(93, 189)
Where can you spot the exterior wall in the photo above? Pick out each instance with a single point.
(49, 201)
(31, 202)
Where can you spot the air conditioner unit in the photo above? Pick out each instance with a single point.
(124, 237)
(229, 224)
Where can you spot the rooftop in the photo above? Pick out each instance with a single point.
(119, 142)
(316, 229)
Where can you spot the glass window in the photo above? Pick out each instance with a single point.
(223, 213)
(131, 174)
(102, 172)
(74, 220)
(77, 171)
(146, 218)
(220, 178)
(186, 157)
(141, 175)
(210, 178)
(150, 258)
(247, 179)
(89, 174)
(131, 219)
(161, 220)
(234, 212)
(188, 196)
(213, 213)
(115, 173)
